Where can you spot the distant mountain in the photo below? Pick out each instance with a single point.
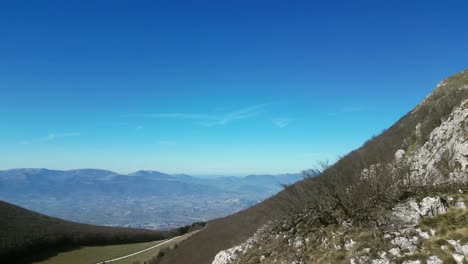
(40, 182)
(150, 199)
(151, 174)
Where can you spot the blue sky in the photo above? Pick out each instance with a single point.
(214, 87)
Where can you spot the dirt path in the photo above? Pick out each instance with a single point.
(136, 253)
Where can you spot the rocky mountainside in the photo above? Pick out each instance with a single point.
(400, 198)
(428, 230)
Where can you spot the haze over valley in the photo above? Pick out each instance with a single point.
(145, 199)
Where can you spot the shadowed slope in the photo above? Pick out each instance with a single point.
(26, 236)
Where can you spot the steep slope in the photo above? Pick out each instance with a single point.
(430, 229)
(369, 177)
(430, 226)
(27, 235)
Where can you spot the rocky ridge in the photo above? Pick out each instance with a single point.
(429, 229)
(409, 239)
(444, 157)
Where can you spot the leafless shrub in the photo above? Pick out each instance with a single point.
(346, 189)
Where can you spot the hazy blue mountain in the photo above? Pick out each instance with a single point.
(144, 198)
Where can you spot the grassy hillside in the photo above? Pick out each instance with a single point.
(98, 254)
(27, 236)
(330, 188)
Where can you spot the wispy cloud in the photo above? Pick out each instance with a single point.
(281, 122)
(212, 119)
(54, 136)
(177, 115)
(138, 128)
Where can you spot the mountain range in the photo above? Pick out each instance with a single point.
(148, 199)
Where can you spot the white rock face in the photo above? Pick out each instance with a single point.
(298, 242)
(434, 260)
(432, 206)
(464, 250)
(407, 214)
(231, 255)
(225, 257)
(363, 259)
(411, 262)
(349, 244)
(380, 261)
(297, 262)
(423, 234)
(417, 131)
(400, 154)
(366, 250)
(395, 251)
(446, 144)
(453, 243)
(451, 201)
(458, 258)
(410, 244)
(459, 248)
(460, 203)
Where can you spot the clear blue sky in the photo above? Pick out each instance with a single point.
(214, 87)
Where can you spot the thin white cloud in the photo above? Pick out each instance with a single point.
(281, 122)
(212, 119)
(54, 136)
(139, 128)
(178, 115)
(244, 113)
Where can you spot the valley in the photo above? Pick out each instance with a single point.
(145, 199)
(118, 254)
